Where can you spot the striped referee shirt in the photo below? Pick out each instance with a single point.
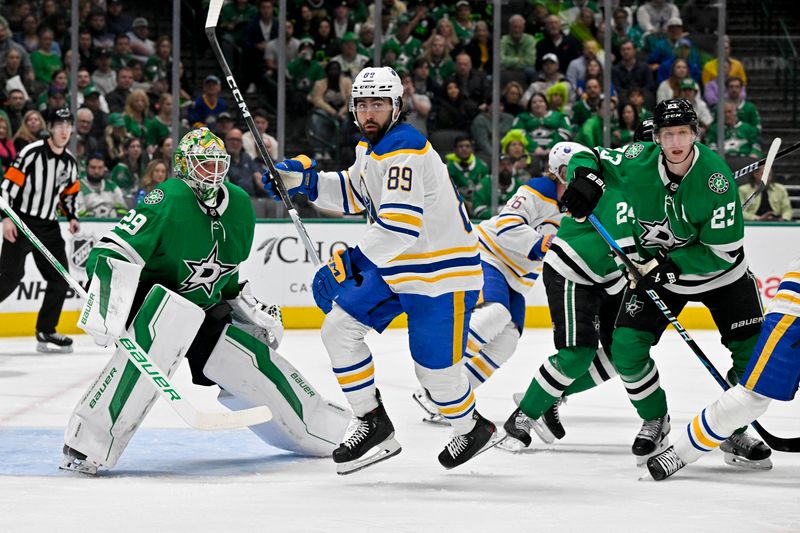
(40, 181)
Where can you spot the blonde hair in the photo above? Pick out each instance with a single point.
(138, 93)
(8, 125)
(23, 132)
(147, 179)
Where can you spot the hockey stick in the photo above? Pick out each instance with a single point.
(752, 167)
(146, 366)
(765, 176)
(791, 445)
(214, 8)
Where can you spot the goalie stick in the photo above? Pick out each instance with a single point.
(765, 176)
(214, 8)
(146, 366)
(780, 444)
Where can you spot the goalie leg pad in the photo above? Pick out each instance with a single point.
(251, 374)
(112, 409)
(109, 299)
(735, 408)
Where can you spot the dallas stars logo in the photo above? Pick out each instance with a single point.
(205, 274)
(659, 234)
(633, 306)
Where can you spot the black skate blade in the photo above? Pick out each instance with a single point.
(387, 449)
(437, 420)
(742, 462)
(641, 460)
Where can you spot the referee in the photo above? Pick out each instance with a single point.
(42, 179)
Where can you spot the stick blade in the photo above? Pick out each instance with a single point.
(773, 151)
(227, 420)
(214, 8)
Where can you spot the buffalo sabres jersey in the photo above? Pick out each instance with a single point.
(419, 235)
(507, 238)
(787, 299)
(189, 249)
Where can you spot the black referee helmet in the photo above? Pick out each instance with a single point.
(62, 114)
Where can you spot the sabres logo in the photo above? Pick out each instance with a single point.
(718, 183)
(153, 197)
(634, 150)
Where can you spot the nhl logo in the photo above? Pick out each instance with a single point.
(153, 197)
(81, 246)
(634, 150)
(718, 183)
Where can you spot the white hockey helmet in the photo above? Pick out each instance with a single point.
(378, 82)
(560, 155)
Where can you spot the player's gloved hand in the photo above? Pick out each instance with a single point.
(583, 193)
(657, 272)
(248, 310)
(329, 278)
(299, 174)
(540, 247)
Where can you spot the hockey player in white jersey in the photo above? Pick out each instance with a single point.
(773, 373)
(177, 293)
(419, 255)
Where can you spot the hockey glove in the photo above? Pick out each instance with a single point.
(583, 192)
(329, 278)
(657, 272)
(540, 248)
(247, 310)
(298, 175)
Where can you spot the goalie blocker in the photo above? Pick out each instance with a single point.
(169, 327)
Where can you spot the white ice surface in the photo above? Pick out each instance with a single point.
(172, 478)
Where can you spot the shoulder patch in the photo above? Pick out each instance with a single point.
(718, 183)
(154, 197)
(633, 150)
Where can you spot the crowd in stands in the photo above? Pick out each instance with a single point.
(551, 65)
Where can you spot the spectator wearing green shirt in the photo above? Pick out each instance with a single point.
(129, 169)
(622, 131)
(366, 40)
(408, 46)
(302, 72)
(589, 104)
(518, 49)
(121, 56)
(508, 181)
(741, 139)
(463, 23)
(160, 65)
(159, 126)
(745, 110)
(466, 170)
(440, 64)
(45, 63)
(544, 126)
(234, 17)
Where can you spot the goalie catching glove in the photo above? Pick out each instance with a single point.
(298, 175)
(657, 272)
(267, 320)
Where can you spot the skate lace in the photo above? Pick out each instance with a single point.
(744, 441)
(523, 421)
(669, 461)
(651, 429)
(457, 445)
(360, 433)
(555, 407)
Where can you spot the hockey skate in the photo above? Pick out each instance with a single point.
(664, 464)
(518, 432)
(652, 439)
(462, 448)
(53, 343)
(75, 461)
(744, 451)
(548, 427)
(432, 414)
(371, 441)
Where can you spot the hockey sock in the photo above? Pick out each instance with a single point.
(737, 407)
(488, 343)
(553, 378)
(451, 392)
(645, 392)
(343, 337)
(741, 351)
(600, 371)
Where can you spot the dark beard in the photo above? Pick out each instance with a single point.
(375, 137)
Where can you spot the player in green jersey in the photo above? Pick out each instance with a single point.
(689, 230)
(167, 275)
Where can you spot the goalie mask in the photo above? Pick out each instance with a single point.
(201, 161)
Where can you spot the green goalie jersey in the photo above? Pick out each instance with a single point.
(700, 224)
(578, 252)
(180, 245)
